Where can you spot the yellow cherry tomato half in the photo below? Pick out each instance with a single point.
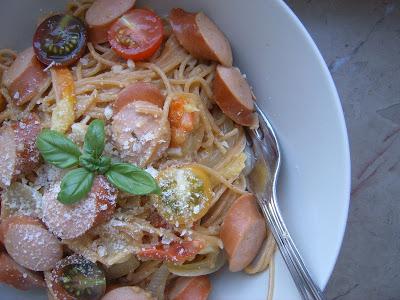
(185, 195)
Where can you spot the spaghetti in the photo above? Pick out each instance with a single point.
(216, 146)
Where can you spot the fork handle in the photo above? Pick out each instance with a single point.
(305, 284)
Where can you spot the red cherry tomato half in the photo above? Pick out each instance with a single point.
(136, 35)
(174, 252)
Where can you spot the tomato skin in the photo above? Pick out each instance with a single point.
(85, 279)
(156, 220)
(137, 35)
(182, 122)
(176, 252)
(60, 40)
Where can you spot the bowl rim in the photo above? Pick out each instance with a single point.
(343, 131)
(344, 148)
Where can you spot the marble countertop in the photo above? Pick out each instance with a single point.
(360, 42)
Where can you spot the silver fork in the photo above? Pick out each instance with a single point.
(262, 182)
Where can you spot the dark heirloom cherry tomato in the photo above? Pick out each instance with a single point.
(136, 35)
(75, 277)
(60, 39)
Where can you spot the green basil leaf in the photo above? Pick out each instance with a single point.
(57, 149)
(131, 179)
(75, 185)
(88, 162)
(94, 139)
(104, 164)
(100, 165)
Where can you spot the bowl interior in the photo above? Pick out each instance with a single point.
(294, 88)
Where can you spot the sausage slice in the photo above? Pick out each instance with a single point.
(71, 221)
(25, 77)
(233, 95)
(200, 36)
(128, 293)
(3, 103)
(18, 152)
(1, 236)
(102, 14)
(30, 244)
(13, 274)
(141, 132)
(242, 232)
(190, 288)
(139, 91)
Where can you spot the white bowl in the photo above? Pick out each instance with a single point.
(294, 87)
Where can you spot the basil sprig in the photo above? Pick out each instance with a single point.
(75, 185)
(94, 139)
(58, 150)
(131, 179)
(61, 152)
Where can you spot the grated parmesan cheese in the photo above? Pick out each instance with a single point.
(108, 112)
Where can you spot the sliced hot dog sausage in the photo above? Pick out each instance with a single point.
(128, 293)
(13, 274)
(141, 132)
(190, 288)
(30, 244)
(71, 221)
(113, 286)
(200, 36)
(1, 236)
(25, 77)
(8, 155)
(3, 103)
(18, 152)
(242, 232)
(139, 91)
(102, 14)
(26, 132)
(233, 95)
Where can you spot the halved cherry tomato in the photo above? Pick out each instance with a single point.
(186, 195)
(183, 117)
(175, 252)
(136, 35)
(76, 278)
(60, 39)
